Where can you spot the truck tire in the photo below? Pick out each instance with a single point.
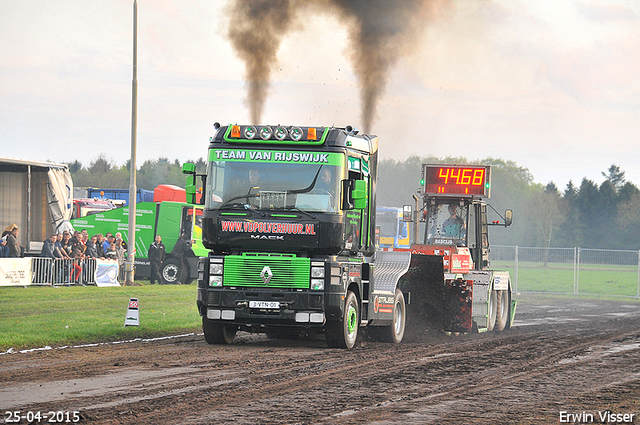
(171, 273)
(344, 333)
(502, 310)
(218, 333)
(493, 310)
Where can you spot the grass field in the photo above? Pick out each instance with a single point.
(596, 279)
(56, 316)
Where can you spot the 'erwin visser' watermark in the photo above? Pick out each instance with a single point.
(603, 417)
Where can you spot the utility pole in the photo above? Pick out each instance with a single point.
(131, 249)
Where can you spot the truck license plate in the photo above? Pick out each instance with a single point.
(264, 304)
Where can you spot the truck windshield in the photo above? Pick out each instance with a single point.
(273, 186)
(447, 224)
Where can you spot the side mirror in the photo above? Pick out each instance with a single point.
(347, 199)
(508, 217)
(354, 194)
(359, 195)
(407, 213)
(190, 187)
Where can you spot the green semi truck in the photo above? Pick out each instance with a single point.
(165, 218)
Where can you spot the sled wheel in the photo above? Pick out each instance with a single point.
(396, 330)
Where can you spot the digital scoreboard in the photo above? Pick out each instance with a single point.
(470, 180)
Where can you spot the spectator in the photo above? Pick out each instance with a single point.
(78, 257)
(62, 267)
(85, 236)
(124, 244)
(59, 251)
(48, 266)
(111, 252)
(4, 249)
(157, 252)
(15, 249)
(67, 244)
(100, 246)
(107, 241)
(121, 255)
(180, 249)
(49, 246)
(92, 249)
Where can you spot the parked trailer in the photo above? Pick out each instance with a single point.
(37, 197)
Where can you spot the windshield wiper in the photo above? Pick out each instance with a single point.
(308, 188)
(302, 211)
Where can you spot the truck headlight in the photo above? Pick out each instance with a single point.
(215, 280)
(317, 284)
(317, 272)
(215, 268)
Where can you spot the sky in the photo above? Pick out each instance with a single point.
(553, 86)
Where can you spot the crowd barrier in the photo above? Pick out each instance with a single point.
(49, 271)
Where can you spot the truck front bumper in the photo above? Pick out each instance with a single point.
(262, 308)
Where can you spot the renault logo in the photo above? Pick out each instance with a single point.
(266, 275)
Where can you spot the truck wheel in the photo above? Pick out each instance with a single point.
(218, 333)
(343, 334)
(502, 308)
(493, 310)
(170, 272)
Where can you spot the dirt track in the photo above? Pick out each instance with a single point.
(574, 356)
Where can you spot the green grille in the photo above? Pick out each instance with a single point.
(287, 271)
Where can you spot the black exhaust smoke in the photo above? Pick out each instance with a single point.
(381, 31)
(255, 31)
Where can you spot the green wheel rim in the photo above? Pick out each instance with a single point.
(351, 319)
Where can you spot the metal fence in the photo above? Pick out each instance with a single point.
(570, 270)
(49, 271)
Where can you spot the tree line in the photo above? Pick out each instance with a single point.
(588, 215)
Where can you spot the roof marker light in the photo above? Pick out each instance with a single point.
(281, 133)
(250, 132)
(266, 133)
(311, 134)
(296, 133)
(235, 131)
